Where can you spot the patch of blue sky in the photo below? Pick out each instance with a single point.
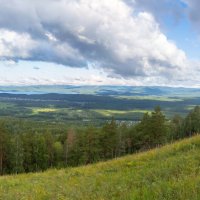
(182, 33)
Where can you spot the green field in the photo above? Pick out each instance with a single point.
(171, 172)
(87, 109)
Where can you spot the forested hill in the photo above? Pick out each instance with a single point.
(170, 172)
(37, 147)
(83, 108)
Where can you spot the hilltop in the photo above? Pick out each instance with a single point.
(169, 172)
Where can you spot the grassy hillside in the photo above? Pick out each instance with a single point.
(170, 172)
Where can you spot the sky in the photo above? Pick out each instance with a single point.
(91, 42)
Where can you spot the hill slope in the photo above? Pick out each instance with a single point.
(170, 172)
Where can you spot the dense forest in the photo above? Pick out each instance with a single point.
(25, 149)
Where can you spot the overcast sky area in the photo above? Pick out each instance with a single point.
(107, 42)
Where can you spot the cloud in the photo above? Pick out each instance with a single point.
(36, 68)
(112, 35)
(14, 45)
(160, 9)
(175, 9)
(193, 7)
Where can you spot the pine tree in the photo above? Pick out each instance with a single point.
(68, 144)
(3, 147)
(16, 154)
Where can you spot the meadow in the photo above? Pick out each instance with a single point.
(90, 108)
(165, 173)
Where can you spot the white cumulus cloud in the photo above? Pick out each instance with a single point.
(112, 35)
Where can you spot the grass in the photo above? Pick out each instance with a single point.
(87, 114)
(109, 113)
(43, 110)
(171, 172)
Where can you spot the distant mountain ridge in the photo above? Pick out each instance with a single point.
(103, 90)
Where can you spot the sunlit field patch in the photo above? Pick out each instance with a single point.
(43, 110)
(119, 112)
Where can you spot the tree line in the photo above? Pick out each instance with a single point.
(28, 151)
